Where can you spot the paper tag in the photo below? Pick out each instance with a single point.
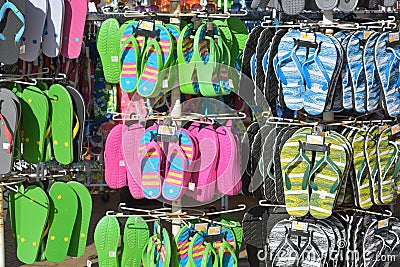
(382, 128)
(92, 7)
(196, 24)
(166, 130)
(146, 25)
(174, 21)
(112, 254)
(165, 84)
(395, 129)
(22, 49)
(158, 22)
(122, 163)
(6, 146)
(315, 139)
(88, 263)
(383, 223)
(308, 36)
(394, 37)
(209, 26)
(201, 227)
(300, 226)
(366, 34)
(192, 186)
(231, 83)
(114, 58)
(214, 230)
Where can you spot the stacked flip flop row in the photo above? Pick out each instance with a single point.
(350, 240)
(189, 248)
(50, 226)
(315, 72)
(52, 27)
(41, 122)
(150, 59)
(203, 156)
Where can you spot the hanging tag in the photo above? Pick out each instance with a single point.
(22, 49)
(112, 254)
(315, 139)
(367, 34)
(165, 84)
(6, 146)
(88, 263)
(231, 83)
(209, 26)
(201, 227)
(394, 37)
(214, 230)
(300, 226)
(395, 129)
(158, 22)
(92, 7)
(166, 130)
(383, 223)
(192, 186)
(196, 24)
(175, 21)
(382, 128)
(114, 59)
(308, 36)
(122, 163)
(146, 25)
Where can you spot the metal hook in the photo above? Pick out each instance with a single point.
(241, 207)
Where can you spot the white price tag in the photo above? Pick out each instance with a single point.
(383, 223)
(122, 163)
(395, 129)
(201, 227)
(315, 139)
(192, 186)
(158, 22)
(114, 58)
(394, 37)
(300, 226)
(22, 49)
(308, 36)
(174, 21)
(6, 146)
(88, 263)
(165, 84)
(214, 230)
(112, 254)
(166, 130)
(231, 83)
(146, 25)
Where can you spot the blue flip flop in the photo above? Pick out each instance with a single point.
(318, 72)
(371, 74)
(130, 65)
(347, 87)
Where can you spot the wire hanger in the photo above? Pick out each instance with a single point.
(263, 203)
(241, 207)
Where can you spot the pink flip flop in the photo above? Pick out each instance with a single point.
(74, 25)
(130, 147)
(151, 164)
(227, 175)
(115, 169)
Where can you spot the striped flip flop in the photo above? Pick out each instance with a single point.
(182, 242)
(371, 74)
(152, 159)
(129, 61)
(296, 167)
(162, 253)
(370, 152)
(201, 253)
(152, 63)
(227, 249)
(129, 29)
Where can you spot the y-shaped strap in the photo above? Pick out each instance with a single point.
(9, 5)
(7, 132)
(301, 156)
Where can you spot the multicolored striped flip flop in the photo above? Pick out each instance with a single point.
(152, 64)
(182, 242)
(370, 152)
(162, 253)
(201, 253)
(227, 248)
(186, 63)
(328, 169)
(296, 166)
(127, 30)
(166, 43)
(129, 60)
(151, 159)
(175, 34)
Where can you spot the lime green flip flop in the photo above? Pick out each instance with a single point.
(227, 250)
(237, 230)
(240, 35)
(225, 32)
(62, 128)
(201, 253)
(136, 234)
(48, 153)
(35, 116)
(30, 203)
(108, 46)
(77, 244)
(106, 238)
(62, 217)
(370, 150)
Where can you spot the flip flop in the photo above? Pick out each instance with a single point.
(10, 113)
(129, 61)
(202, 254)
(166, 42)
(296, 167)
(318, 73)
(79, 119)
(74, 25)
(151, 159)
(262, 50)
(79, 236)
(186, 64)
(31, 202)
(249, 51)
(182, 242)
(227, 248)
(62, 216)
(149, 83)
(347, 5)
(129, 29)
(12, 26)
(347, 95)
(62, 128)
(115, 167)
(131, 137)
(35, 113)
(328, 169)
(370, 152)
(35, 17)
(175, 34)
(160, 247)
(136, 234)
(356, 67)
(387, 62)
(52, 34)
(239, 37)
(109, 50)
(225, 33)
(237, 231)
(371, 74)
(283, 251)
(106, 238)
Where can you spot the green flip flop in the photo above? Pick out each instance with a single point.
(35, 116)
(48, 153)
(237, 230)
(201, 253)
(240, 35)
(62, 217)
(106, 238)
(370, 151)
(77, 244)
(136, 234)
(62, 128)
(227, 250)
(30, 203)
(108, 46)
(225, 32)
